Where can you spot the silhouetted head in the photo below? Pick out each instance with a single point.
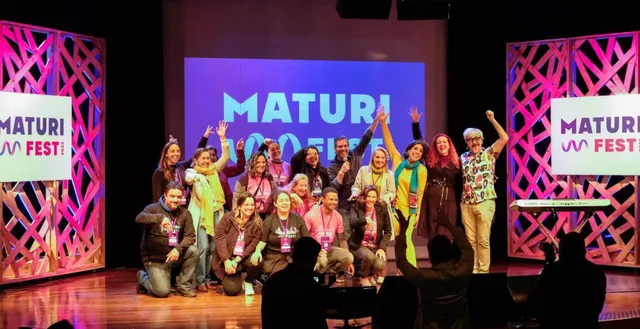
(306, 251)
(572, 247)
(440, 249)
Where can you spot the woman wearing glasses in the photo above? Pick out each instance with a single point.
(478, 191)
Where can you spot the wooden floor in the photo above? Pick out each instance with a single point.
(107, 299)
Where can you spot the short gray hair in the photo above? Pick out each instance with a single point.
(469, 131)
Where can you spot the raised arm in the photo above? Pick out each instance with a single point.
(504, 137)
(366, 138)
(221, 131)
(237, 168)
(415, 122)
(465, 266)
(413, 275)
(386, 137)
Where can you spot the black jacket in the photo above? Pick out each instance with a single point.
(155, 243)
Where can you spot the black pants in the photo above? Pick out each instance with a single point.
(232, 284)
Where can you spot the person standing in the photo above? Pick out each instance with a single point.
(478, 191)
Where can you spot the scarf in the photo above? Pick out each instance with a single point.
(413, 185)
(377, 171)
(212, 197)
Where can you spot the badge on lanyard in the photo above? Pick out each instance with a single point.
(173, 234)
(184, 198)
(413, 200)
(238, 250)
(325, 240)
(317, 187)
(285, 244)
(285, 240)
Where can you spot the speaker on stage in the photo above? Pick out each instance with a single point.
(364, 9)
(397, 304)
(489, 299)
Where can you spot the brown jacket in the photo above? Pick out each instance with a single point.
(227, 235)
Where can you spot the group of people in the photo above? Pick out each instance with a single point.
(351, 209)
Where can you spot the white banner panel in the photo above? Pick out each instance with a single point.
(597, 135)
(35, 137)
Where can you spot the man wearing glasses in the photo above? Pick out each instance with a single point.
(478, 193)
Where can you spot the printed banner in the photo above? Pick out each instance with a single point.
(299, 102)
(596, 135)
(35, 137)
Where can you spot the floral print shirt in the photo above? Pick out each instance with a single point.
(479, 176)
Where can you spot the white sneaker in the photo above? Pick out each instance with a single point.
(248, 289)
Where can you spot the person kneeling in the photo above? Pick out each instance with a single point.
(237, 236)
(325, 223)
(167, 241)
(371, 227)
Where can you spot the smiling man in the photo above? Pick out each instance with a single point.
(478, 191)
(325, 225)
(167, 242)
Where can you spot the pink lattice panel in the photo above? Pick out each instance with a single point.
(53, 228)
(608, 66)
(537, 72)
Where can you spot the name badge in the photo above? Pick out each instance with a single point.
(173, 236)
(280, 181)
(325, 241)
(413, 201)
(317, 187)
(184, 198)
(238, 250)
(285, 245)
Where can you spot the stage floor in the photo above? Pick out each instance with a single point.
(108, 299)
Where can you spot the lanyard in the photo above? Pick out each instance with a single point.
(285, 228)
(276, 171)
(377, 179)
(323, 226)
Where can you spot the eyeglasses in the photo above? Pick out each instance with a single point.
(473, 139)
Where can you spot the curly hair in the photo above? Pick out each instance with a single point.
(362, 198)
(251, 164)
(433, 157)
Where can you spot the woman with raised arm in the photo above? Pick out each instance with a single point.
(371, 227)
(279, 232)
(237, 236)
(444, 165)
(170, 168)
(207, 203)
(410, 179)
(258, 181)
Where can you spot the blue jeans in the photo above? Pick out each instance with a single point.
(156, 277)
(207, 246)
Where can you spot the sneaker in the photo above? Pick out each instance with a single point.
(187, 293)
(202, 288)
(248, 289)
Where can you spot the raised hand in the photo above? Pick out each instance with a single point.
(381, 115)
(240, 145)
(415, 115)
(490, 115)
(268, 141)
(222, 129)
(208, 132)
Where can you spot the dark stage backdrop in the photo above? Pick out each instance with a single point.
(302, 30)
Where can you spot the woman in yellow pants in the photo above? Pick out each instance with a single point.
(411, 179)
